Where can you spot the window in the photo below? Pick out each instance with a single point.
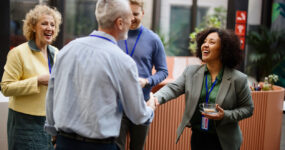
(180, 29)
(79, 19)
(17, 15)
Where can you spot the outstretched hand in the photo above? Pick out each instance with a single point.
(216, 116)
(156, 101)
(152, 101)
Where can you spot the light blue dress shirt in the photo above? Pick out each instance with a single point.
(92, 82)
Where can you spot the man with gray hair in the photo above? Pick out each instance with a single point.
(93, 82)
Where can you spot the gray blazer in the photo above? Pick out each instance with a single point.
(234, 97)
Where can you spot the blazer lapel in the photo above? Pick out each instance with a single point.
(197, 82)
(224, 86)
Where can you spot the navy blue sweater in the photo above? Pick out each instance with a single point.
(148, 52)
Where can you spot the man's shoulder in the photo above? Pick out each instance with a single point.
(84, 39)
(90, 43)
(153, 40)
(151, 34)
(123, 57)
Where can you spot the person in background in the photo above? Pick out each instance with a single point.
(146, 49)
(26, 77)
(93, 82)
(216, 82)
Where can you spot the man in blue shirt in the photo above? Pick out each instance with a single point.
(93, 82)
(146, 48)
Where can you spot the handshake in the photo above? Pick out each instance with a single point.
(152, 102)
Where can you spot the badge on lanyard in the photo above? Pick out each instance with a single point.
(205, 120)
(205, 123)
(49, 63)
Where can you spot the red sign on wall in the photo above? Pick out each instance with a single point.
(240, 29)
(240, 16)
(242, 42)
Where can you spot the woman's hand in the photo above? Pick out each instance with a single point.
(43, 79)
(216, 116)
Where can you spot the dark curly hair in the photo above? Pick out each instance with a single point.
(231, 54)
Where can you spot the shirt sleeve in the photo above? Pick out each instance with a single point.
(159, 62)
(49, 124)
(131, 97)
(12, 84)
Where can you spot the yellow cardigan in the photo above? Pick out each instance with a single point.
(24, 63)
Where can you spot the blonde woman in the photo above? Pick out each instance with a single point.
(25, 80)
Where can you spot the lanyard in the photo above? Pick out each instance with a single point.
(49, 64)
(102, 37)
(133, 50)
(208, 93)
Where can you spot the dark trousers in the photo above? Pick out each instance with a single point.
(64, 143)
(205, 141)
(138, 134)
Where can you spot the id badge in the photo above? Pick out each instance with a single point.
(205, 123)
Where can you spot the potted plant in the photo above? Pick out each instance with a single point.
(266, 51)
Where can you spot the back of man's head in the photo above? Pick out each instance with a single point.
(107, 11)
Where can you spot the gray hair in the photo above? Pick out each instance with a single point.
(107, 11)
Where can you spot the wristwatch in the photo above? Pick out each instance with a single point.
(147, 83)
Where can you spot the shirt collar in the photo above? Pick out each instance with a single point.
(33, 46)
(220, 75)
(135, 31)
(101, 33)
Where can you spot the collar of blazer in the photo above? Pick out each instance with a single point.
(224, 87)
(33, 47)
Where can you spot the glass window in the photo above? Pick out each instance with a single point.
(79, 19)
(17, 15)
(180, 29)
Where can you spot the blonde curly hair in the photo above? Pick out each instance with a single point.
(34, 15)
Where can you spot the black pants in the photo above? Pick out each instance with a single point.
(64, 143)
(205, 141)
(138, 134)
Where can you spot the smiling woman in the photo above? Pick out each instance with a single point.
(214, 82)
(44, 30)
(25, 80)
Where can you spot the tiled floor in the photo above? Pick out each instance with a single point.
(282, 145)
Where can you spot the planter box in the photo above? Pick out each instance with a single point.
(263, 130)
